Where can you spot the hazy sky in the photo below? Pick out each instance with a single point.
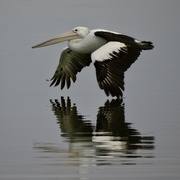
(25, 23)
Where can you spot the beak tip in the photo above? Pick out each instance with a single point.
(36, 46)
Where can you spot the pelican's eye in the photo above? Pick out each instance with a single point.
(76, 30)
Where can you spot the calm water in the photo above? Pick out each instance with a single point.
(79, 133)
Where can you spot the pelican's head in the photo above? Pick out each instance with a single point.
(76, 33)
(81, 31)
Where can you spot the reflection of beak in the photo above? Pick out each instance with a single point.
(58, 39)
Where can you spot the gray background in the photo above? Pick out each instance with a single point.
(152, 84)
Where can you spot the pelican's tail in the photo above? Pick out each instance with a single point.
(145, 45)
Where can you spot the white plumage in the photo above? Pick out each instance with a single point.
(105, 52)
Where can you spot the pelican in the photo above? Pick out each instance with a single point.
(112, 54)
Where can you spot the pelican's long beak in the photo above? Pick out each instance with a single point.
(58, 39)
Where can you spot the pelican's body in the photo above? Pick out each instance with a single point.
(111, 52)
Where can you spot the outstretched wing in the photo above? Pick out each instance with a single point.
(111, 61)
(70, 64)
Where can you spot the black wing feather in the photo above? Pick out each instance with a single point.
(110, 72)
(70, 64)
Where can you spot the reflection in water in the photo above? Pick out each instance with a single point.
(110, 141)
(118, 138)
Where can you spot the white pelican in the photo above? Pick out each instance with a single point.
(112, 54)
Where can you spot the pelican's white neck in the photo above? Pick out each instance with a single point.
(86, 45)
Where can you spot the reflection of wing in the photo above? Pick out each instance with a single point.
(70, 64)
(111, 118)
(118, 134)
(72, 124)
(110, 70)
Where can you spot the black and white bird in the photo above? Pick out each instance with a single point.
(112, 54)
